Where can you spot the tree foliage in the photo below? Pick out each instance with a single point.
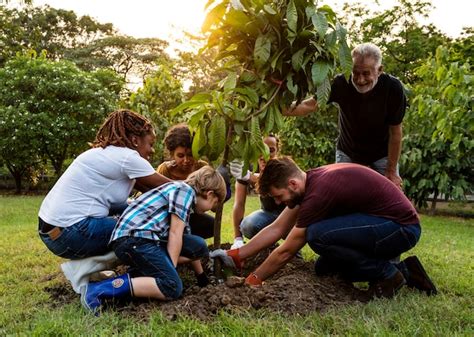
(438, 157)
(58, 107)
(160, 94)
(273, 53)
(46, 28)
(405, 42)
(311, 140)
(89, 44)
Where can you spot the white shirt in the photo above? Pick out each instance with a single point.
(96, 180)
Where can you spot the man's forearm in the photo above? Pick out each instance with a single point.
(270, 234)
(304, 108)
(394, 148)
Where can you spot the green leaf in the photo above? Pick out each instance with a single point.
(292, 17)
(250, 93)
(345, 58)
(230, 81)
(319, 71)
(214, 16)
(261, 53)
(270, 119)
(297, 59)
(216, 137)
(276, 58)
(196, 118)
(199, 141)
(323, 92)
(320, 23)
(293, 88)
(269, 9)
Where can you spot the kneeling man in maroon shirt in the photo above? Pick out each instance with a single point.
(354, 218)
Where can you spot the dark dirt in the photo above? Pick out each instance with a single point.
(294, 290)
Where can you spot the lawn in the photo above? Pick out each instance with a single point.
(26, 267)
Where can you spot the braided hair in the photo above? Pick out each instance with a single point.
(119, 127)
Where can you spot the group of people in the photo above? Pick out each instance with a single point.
(353, 213)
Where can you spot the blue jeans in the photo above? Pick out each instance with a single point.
(358, 247)
(256, 221)
(88, 237)
(379, 165)
(150, 258)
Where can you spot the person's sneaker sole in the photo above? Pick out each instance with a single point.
(414, 265)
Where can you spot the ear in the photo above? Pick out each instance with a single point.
(293, 183)
(209, 194)
(134, 139)
(380, 70)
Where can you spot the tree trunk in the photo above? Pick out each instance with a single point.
(433, 203)
(218, 219)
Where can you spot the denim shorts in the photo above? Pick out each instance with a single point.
(88, 237)
(150, 258)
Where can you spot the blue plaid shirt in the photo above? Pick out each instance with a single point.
(149, 216)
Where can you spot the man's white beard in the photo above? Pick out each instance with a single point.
(365, 89)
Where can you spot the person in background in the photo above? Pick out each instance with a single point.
(253, 223)
(77, 216)
(153, 235)
(178, 143)
(372, 105)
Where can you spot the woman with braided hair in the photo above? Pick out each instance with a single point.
(76, 219)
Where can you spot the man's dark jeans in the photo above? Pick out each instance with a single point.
(358, 247)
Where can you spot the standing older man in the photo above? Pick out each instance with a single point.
(355, 219)
(371, 109)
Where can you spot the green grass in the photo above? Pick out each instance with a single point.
(446, 249)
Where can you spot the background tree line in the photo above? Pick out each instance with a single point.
(61, 74)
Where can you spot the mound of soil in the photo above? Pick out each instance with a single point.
(294, 290)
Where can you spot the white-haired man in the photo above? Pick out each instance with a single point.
(371, 109)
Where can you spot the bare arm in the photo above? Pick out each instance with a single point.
(175, 238)
(306, 107)
(394, 150)
(270, 234)
(280, 256)
(144, 184)
(239, 207)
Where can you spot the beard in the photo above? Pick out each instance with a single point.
(366, 88)
(296, 199)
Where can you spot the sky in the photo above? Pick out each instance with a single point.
(167, 19)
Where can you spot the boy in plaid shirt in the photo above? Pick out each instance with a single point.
(153, 235)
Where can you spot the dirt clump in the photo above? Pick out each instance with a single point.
(294, 290)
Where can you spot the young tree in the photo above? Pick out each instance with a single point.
(438, 156)
(61, 105)
(273, 53)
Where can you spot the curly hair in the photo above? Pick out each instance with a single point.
(119, 127)
(178, 135)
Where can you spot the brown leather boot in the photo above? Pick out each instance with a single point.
(417, 276)
(386, 288)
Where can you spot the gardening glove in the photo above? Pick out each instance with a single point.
(253, 280)
(238, 242)
(202, 280)
(236, 167)
(229, 258)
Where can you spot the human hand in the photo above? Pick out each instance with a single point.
(238, 242)
(394, 178)
(253, 280)
(202, 280)
(229, 258)
(236, 167)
